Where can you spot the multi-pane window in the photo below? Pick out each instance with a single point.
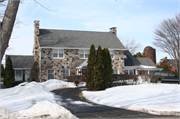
(115, 71)
(18, 75)
(50, 73)
(83, 53)
(111, 53)
(126, 71)
(65, 73)
(58, 53)
(131, 71)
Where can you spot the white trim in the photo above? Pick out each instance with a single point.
(58, 53)
(48, 73)
(78, 48)
(84, 53)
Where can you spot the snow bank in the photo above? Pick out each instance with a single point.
(150, 98)
(54, 84)
(31, 100)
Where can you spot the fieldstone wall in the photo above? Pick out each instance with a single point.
(118, 61)
(70, 61)
(36, 42)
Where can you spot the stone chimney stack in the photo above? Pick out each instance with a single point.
(113, 30)
(36, 27)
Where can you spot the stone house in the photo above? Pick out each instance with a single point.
(61, 53)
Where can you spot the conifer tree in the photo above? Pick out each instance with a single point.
(9, 73)
(99, 70)
(2, 70)
(90, 68)
(34, 73)
(109, 69)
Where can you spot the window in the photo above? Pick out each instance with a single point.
(171, 74)
(58, 53)
(51, 74)
(126, 71)
(66, 73)
(83, 53)
(112, 53)
(131, 72)
(18, 75)
(115, 71)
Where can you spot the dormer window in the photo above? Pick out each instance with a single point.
(83, 54)
(58, 53)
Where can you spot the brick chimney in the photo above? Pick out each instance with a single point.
(113, 30)
(36, 27)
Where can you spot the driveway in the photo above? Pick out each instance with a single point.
(84, 109)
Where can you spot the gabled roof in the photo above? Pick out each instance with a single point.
(146, 61)
(21, 61)
(130, 60)
(78, 39)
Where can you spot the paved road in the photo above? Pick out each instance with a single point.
(71, 101)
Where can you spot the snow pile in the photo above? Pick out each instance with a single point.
(54, 84)
(30, 101)
(149, 98)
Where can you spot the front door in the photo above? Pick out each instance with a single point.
(84, 72)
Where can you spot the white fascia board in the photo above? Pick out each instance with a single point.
(150, 69)
(80, 48)
(130, 67)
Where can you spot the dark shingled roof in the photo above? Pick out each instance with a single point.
(130, 60)
(78, 39)
(21, 61)
(146, 61)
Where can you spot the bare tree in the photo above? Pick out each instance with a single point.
(167, 38)
(131, 45)
(7, 24)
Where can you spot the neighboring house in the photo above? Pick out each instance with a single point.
(22, 65)
(62, 53)
(135, 65)
(169, 62)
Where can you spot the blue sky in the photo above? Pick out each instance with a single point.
(134, 19)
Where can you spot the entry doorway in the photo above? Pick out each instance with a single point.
(84, 72)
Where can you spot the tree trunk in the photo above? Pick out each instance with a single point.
(7, 25)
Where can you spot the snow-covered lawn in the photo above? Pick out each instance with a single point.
(33, 100)
(150, 98)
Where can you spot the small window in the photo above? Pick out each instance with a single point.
(51, 74)
(131, 72)
(86, 53)
(18, 75)
(126, 71)
(164, 74)
(83, 53)
(115, 71)
(58, 53)
(66, 73)
(112, 53)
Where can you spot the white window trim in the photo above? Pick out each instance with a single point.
(48, 74)
(63, 73)
(110, 53)
(129, 70)
(58, 53)
(84, 54)
(21, 74)
(117, 71)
